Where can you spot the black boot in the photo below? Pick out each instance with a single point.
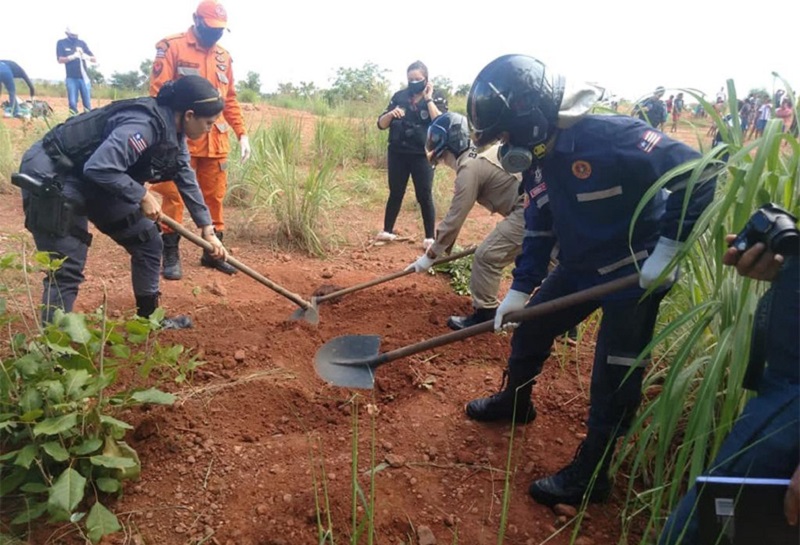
(147, 304)
(512, 403)
(207, 261)
(480, 315)
(586, 474)
(171, 258)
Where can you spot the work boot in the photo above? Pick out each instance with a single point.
(480, 315)
(171, 257)
(207, 261)
(512, 403)
(587, 473)
(147, 304)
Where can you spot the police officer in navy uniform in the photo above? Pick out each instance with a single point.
(582, 185)
(408, 116)
(93, 168)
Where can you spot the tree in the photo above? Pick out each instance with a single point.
(126, 80)
(463, 90)
(443, 85)
(365, 84)
(95, 76)
(307, 89)
(252, 81)
(287, 89)
(146, 68)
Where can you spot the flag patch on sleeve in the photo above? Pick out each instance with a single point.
(649, 141)
(137, 142)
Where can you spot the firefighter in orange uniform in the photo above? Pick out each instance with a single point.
(195, 52)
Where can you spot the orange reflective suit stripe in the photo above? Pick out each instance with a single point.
(180, 55)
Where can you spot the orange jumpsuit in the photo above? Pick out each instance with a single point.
(181, 55)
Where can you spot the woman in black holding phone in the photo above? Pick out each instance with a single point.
(407, 117)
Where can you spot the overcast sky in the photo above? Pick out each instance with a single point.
(627, 46)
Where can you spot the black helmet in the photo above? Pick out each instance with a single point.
(448, 132)
(518, 95)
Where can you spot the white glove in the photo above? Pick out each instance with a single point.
(666, 249)
(514, 300)
(422, 264)
(244, 143)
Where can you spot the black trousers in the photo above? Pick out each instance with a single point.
(401, 166)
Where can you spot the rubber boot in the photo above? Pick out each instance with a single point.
(171, 257)
(207, 261)
(480, 315)
(512, 403)
(147, 304)
(586, 476)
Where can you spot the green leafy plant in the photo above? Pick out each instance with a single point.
(459, 271)
(61, 444)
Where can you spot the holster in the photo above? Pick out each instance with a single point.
(47, 210)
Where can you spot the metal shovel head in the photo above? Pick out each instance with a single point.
(309, 314)
(344, 361)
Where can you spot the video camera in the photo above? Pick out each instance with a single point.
(773, 226)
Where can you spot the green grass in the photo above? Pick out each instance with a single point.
(703, 337)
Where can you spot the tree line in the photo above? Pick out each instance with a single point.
(367, 83)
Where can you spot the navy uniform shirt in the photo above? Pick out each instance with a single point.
(18, 72)
(408, 134)
(128, 134)
(66, 47)
(584, 193)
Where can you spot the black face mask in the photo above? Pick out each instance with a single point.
(416, 87)
(208, 36)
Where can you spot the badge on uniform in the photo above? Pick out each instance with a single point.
(137, 142)
(222, 77)
(581, 169)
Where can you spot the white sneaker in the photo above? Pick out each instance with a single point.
(385, 236)
(427, 243)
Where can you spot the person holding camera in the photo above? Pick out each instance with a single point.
(93, 168)
(765, 440)
(408, 116)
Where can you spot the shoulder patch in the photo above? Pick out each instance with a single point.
(138, 143)
(649, 141)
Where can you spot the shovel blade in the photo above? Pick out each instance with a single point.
(309, 314)
(344, 361)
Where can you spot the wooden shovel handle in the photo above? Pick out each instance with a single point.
(184, 232)
(523, 315)
(392, 276)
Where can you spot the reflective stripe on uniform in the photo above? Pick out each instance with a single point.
(187, 71)
(599, 195)
(538, 234)
(543, 201)
(627, 362)
(638, 256)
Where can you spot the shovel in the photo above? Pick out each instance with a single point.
(307, 311)
(350, 361)
(333, 295)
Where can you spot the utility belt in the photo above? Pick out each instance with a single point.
(47, 210)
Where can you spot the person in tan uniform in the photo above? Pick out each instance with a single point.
(481, 179)
(196, 52)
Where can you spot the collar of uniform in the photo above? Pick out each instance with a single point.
(191, 37)
(172, 129)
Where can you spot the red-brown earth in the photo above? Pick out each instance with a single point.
(237, 458)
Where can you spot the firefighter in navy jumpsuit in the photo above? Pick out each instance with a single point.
(582, 186)
(139, 140)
